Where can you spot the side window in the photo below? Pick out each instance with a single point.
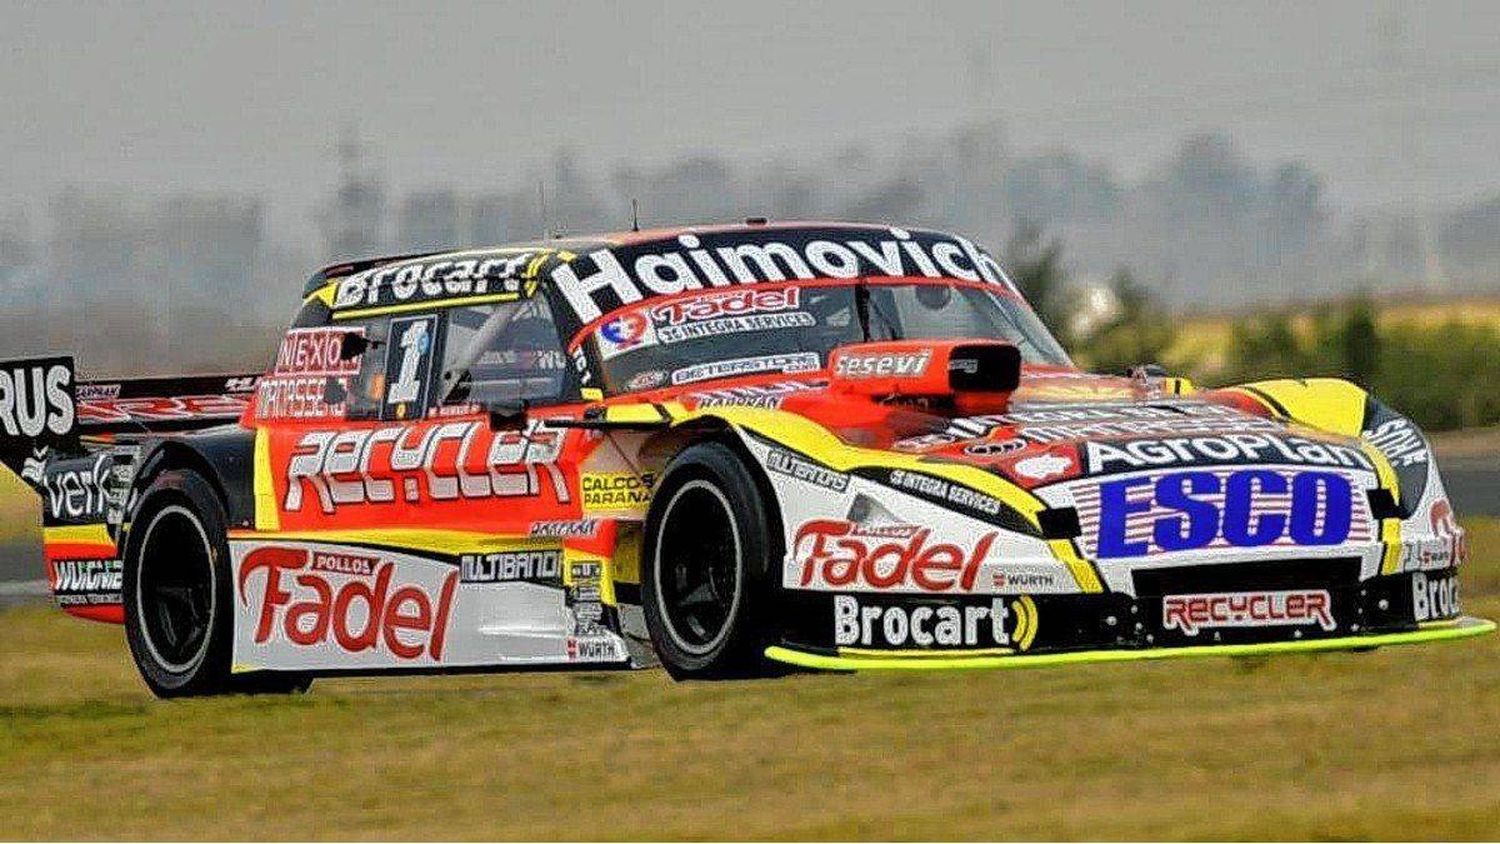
(505, 353)
(395, 371)
(367, 389)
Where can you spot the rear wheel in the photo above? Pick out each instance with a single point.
(706, 584)
(178, 611)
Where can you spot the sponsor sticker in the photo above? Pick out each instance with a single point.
(87, 582)
(626, 332)
(1399, 440)
(37, 400)
(74, 489)
(293, 603)
(945, 491)
(866, 623)
(497, 274)
(616, 490)
(648, 379)
(1043, 466)
(296, 397)
(787, 364)
(1244, 508)
(508, 566)
(434, 462)
(883, 364)
(315, 351)
(996, 448)
(842, 555)
(786, 463)
(1226, 449)
(1194, 613)
(770, 396)
(596, 648)
(1434, 596)
(560, 528)
(608, 279)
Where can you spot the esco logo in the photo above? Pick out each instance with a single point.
(1246, 509)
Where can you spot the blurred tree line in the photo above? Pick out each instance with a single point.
(1440, 375)
(1135, 329)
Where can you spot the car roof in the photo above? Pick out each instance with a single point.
(583, 243)
(591, 276)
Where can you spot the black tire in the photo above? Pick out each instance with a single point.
(178, 598)
(707, 576)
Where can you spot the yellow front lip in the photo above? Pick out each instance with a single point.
(856, 660)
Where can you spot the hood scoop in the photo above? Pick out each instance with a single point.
(974, 374)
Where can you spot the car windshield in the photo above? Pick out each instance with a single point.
(791, 328)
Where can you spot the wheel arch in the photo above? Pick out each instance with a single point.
(223, 459)
(658, 451)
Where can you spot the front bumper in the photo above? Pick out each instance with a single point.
(1462, 627)
(1243, 609)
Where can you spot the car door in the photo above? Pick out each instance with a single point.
(402, 501)
(439, 430)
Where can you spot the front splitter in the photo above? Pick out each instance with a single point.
(1437, 631)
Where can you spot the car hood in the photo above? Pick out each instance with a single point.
(1060, 425)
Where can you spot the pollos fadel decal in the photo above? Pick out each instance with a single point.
(301, 605)
(728, 303)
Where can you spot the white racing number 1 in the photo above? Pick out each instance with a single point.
(410, 358)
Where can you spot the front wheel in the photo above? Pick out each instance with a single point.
(707, 584)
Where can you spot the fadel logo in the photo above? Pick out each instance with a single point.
(726, 303)
(1250, 508)
(1192, 613)
(837, 554)
(334, 602)
(36, 398)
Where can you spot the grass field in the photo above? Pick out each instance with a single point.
(1203, 339)
(1399, 743)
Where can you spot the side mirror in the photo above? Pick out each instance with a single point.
(334, 391)
(352, 345)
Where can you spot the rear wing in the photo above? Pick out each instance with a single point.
(46, 413)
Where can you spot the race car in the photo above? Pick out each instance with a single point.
(728, 450)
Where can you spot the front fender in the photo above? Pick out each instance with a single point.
(1428, 535)
(1015, 509)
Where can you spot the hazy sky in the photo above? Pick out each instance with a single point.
(249, 96)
